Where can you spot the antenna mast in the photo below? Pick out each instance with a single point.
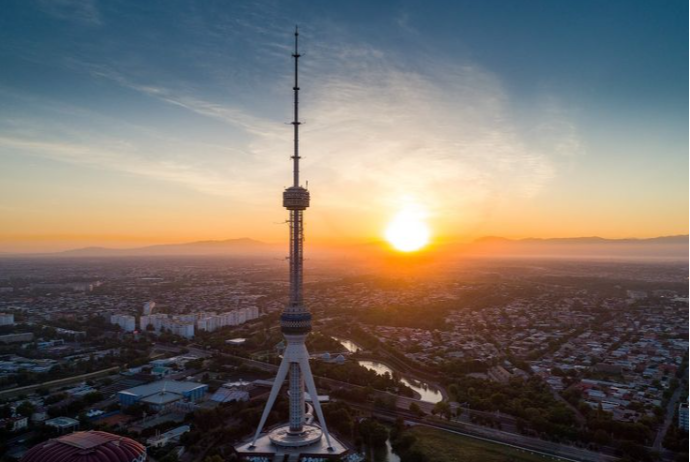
(296, 122)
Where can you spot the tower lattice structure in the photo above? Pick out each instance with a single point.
(295, 321)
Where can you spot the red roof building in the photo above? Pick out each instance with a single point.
(91, 446)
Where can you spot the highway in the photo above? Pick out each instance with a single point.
(12, 392)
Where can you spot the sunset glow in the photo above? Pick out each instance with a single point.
(408, 232)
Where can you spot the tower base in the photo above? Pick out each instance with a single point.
(282, 437)
(277, 443)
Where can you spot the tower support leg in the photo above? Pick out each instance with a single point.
(311, 388)
(277, 385)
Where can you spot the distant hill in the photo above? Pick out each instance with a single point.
(239, 247)
(679, 239)
(664, 247)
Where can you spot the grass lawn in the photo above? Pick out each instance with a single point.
(441, 446)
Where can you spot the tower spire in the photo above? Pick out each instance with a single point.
(296, 122)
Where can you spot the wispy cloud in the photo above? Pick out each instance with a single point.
(444, 136)
(381, 130)
(228, 114)
(122, 158)
(82, 11)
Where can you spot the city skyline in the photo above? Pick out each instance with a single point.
(130, 125)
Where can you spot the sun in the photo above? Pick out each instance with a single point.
(407, 231)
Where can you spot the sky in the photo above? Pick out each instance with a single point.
(128, 123)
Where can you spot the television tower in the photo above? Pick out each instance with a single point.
(300, 434)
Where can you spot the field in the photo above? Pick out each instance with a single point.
(441, 446)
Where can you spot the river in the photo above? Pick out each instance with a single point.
(349, 345)
(428, 393)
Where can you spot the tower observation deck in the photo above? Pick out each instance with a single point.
(301, 435)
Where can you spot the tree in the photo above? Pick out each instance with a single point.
(373, 432)
(442, 408)
(454, 391)
(93, 397)
(215, 458)
(26, 409)
(385, 402)
(5, 411)
(170, 457)
(416, 410)
(415, 455)
(601, 437)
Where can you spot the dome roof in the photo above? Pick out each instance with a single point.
(91, 446)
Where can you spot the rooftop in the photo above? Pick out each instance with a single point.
(168, 386)
(164, 397)
(62, 422)
(91, 446)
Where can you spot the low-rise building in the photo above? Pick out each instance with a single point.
(167, 437)
(6, 319)
(161, 394)
(126, 321)
(63, 424)
(14, 424)
(683, 416)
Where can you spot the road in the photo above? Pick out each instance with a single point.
(670, 412)
(65, 381)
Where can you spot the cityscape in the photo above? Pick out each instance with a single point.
(567, 359)
(491, 263)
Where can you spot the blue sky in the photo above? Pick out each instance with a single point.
(133, 122)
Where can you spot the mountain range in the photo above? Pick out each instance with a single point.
(664, 247)
(239, 247)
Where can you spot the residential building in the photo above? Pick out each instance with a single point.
(683, 416)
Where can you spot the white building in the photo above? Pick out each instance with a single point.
(155, 320)
(6, 319)
(178, 325)
(241, 316)
(148, 308)
(182, 329)
(683, 416)
(187, 317)
(14, 423)
(252, 312)
(127, 322)
(229, 318)
(212, 321)
(209, 323)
